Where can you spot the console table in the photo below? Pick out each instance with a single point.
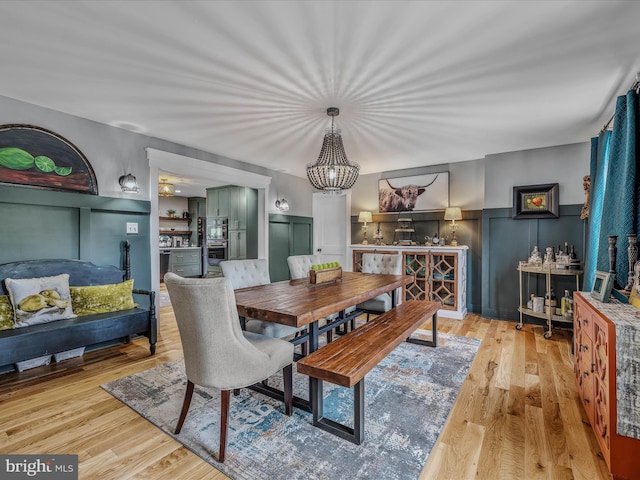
(440, 273)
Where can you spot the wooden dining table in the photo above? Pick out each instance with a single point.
(299, 303)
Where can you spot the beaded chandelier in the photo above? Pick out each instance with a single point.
(332, 172)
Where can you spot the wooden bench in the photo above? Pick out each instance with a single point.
(91, 331)
(348, 359)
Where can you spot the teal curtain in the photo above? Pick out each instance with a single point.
(598, 172)
(616, 187)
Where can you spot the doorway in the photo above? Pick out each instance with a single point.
(217, 175)
(332, 227)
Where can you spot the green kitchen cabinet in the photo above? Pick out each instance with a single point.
(218, 201)
(238, 208)
(186, 262)
(197, 207)
(237, 245)
(241, 208)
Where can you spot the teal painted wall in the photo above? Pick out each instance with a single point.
(38, 231)
(506, 241)
(288, 235)
(40, 224)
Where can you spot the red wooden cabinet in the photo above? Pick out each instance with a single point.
(595, 372)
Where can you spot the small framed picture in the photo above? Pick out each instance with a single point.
(602, 284)
(535, 201)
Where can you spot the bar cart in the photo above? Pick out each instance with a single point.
(550, 315)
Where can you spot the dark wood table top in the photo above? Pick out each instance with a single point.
(298, 303)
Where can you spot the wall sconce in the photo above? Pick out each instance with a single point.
(282, 205)
(128, 183)
(166, 189)
(365, 217)
(453, 214)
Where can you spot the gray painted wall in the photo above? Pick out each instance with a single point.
(113, 152)
(484, 190)
(488, 182)
(475, 185)
(563, 164)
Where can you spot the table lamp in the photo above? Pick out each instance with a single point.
(453, 214)
(365, 217)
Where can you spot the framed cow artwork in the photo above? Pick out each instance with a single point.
(416, 193)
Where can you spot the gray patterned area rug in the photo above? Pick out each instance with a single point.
(408, 398)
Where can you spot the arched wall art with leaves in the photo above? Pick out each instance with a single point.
(36, 157)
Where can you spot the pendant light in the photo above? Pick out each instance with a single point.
(166, 189)
(332, 172)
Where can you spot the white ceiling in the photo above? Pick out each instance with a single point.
(417, 82)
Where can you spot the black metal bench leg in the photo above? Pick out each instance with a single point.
(358, 412)
(434, 334)
(355, 434)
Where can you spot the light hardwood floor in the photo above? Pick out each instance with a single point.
(518, 415)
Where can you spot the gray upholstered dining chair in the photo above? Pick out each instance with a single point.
(384, 263)
(299, 265)
(217, 353)
(250, 273)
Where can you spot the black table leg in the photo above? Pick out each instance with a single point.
(313, 346)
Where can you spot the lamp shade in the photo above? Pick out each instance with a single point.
(282, 205)
(128, 183)
(365, 217)
(453, 213)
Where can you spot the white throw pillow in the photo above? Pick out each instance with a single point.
(40, 300)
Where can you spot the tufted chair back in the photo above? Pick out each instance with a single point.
(390, 264)
(246, 273)
(250, 273)
(381, 263)
(216, 353)
(299, 265)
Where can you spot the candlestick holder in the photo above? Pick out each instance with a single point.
(632, 253)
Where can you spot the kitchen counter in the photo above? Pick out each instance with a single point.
(184, 261)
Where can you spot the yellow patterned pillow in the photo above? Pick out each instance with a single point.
(102, 298)
(6, 313)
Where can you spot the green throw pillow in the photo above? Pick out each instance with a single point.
(6, 313)
(102, 298)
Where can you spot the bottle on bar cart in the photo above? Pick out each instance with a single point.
(550, 302)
